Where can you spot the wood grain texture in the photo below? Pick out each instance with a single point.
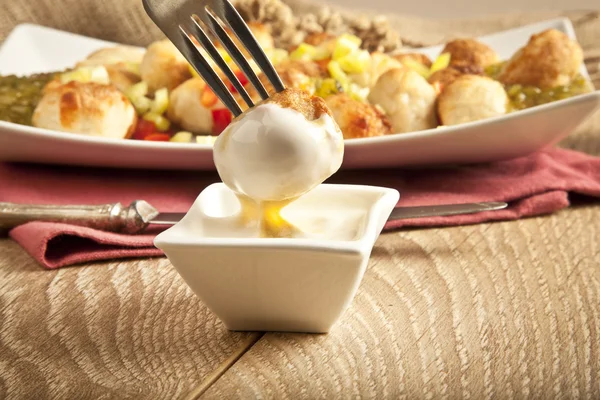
(505, 310)
(129, 329)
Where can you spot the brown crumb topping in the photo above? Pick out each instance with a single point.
(312, 107)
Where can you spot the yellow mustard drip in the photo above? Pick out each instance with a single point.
(267, 215)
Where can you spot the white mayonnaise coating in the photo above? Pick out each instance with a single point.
(275, 153)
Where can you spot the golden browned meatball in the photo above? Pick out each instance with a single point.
(118, 61)
(472, 98)
(357, 119)
(407, 98)
(186, 108)
(442, 78)
(549, 59)
(163, 66)
(88, 108)
(113, 55)
(420, 58)
(470, 52)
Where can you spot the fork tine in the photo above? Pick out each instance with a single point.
(209, 75)
(235, 53)
(214, 53)
(245, 35)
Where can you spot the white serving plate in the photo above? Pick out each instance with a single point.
(30, 49)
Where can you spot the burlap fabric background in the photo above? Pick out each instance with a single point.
(506, 310)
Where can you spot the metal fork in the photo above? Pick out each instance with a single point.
(184, 23)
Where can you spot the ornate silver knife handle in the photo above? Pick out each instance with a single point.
(109, 217)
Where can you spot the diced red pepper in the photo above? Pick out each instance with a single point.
(221, 118)
(158, 137)
(208, 98)
(241, 77)
(143, 129)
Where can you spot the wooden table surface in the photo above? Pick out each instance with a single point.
(501, 310)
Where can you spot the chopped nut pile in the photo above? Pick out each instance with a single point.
(289, 30)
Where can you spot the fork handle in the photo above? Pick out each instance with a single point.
(106, 217)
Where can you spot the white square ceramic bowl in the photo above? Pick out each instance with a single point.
(270, 284)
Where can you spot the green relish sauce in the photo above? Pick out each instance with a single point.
(20, 95)
(522, 97)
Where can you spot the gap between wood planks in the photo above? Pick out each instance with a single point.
(224, 366)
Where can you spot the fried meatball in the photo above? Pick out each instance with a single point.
(357, 119)
(113, 55)
(163, 66)
(446, 76)
(117, 61)
(407, 98)
(420, 58)
(470, 52)
(186, 108)
(549, 59)
(472, 98)
(87, 108)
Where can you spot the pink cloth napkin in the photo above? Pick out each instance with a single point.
(533, 185)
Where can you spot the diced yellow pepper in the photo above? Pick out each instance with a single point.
(87, 74)
(417, 67)
(161, 101)
(355, 62)
(303, 52)
(338, 74)
(137, 95)
(440, 63)
(182, 137)
(133, 67)
(140, 89)
(225, 55)
(142, 104)
(309, 52)
(276, 55)
(193, 71)
(345, 44)
(358, 93)
(99, 75)
(327, 87)
(321, 53)
(161, 123)
(78, 75)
